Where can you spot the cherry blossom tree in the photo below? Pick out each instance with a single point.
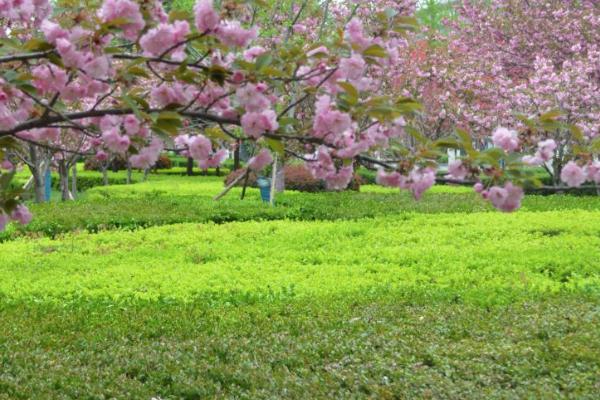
(515, 60)
(128, 79)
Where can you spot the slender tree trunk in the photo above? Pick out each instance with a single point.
(128, 173)
(236, 156)
(38, 173)
(105, 174)
(190, 167)
(74, 180)
(146, 171)
(63, 173)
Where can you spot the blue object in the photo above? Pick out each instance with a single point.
(264, 184)
(48, 184)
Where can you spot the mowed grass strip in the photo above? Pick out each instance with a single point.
(485, 258)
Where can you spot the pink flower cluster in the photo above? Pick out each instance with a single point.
(126, 9)
(507, 139)
(230, 33)
(260, 161)
(457, 170)
(20, 214)
(166, 39)
(507, 198)
(147, 156)
(323, 167)
(259, 118)
(418, 181)
(544, 153)
(200, 148)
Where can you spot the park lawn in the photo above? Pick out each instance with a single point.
(415, 305)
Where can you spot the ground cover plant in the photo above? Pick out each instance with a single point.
(168, 199)
(434, 277)
(378, 307)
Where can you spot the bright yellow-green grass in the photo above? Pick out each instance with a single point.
(483, 256)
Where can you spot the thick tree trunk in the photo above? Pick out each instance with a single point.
(190, 167)
(218, 171)
(39, 185)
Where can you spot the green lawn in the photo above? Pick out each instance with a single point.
(154, 290)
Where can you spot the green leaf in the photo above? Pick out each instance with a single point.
(375, 51)
(37, 45)
(551, 115)
(448, 143)
(350, 91)
(276, 145)
(416, 134)
(263, 61)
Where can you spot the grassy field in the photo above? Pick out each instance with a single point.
(155, 291)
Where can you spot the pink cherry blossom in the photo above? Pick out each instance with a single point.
(131, 124)
(593, 172)
(115, 142)
(7, 165)
(200, 147)
(206, 17)
(21, 214)
(213, 160)
(97, 67)
(251, 97)
(165, 38)
(49, 78)
(420, 181)
(328, 121)
(506, 139)
(101, 155)
(507, 198)
(52, 31)
(255, 124)
(457, 170)
(260, 161)
(147, 156)
(392, 179)
(129, 10)
(231, 33)
(352, 68)
(572, 174)
(546, 149)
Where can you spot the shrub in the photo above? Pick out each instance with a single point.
(117, 164)
(164, 162)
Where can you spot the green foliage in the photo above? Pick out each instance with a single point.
(500, 257)
(377, 345)
(341, 295)
(172, 199)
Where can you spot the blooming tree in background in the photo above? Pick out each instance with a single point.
(128, 79)
(518, 60)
